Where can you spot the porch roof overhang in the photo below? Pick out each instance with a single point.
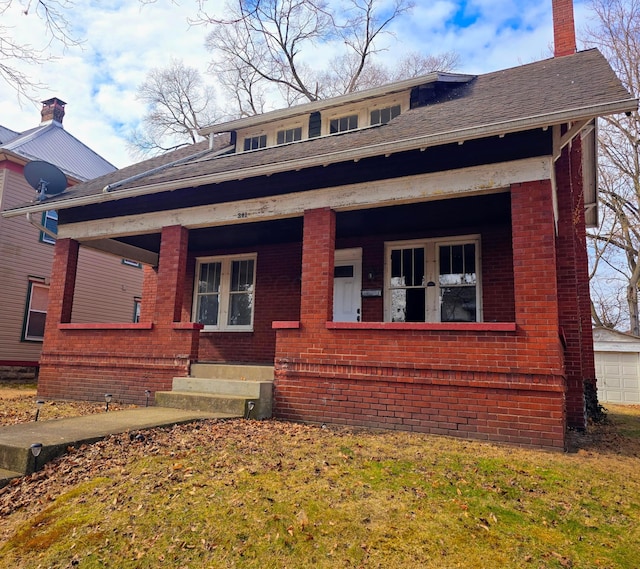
(460, 136)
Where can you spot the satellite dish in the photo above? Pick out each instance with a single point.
(45, 178)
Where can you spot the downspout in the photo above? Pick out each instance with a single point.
(41, 227)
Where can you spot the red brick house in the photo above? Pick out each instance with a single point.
(408, 257)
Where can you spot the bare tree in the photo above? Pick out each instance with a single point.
(52, 15)
(616, 32)
(267, 45)
(179, 104)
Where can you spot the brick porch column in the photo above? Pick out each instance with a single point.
(63, 283)
(318, 251)
(534, 267)
(573, 283)
(171, 276)
(149, 291)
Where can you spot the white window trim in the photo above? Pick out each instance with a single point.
(432, 302)
(224, 295)
(33, 284)
(364, 111)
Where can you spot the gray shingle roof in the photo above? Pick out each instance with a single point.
(536, 95)
(52, 143)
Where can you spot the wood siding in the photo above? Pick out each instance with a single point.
(106, 288)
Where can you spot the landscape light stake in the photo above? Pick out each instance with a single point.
(36, 449)
(39, 404)
(107, 397)
(250, 406)
(147, 394)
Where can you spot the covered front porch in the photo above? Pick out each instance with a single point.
(473, 352)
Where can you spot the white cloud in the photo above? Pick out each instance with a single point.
(125, 40)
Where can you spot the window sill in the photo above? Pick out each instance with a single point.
(421, 326)
(107, 326)
(426, 326)
(205, 330)
(285, 325)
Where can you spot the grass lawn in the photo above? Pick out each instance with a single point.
(279, 495)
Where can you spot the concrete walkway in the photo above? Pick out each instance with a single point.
(16, 458)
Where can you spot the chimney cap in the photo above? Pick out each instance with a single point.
(54, 100)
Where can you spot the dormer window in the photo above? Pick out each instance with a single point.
(255, 142)
(342, 124)
(383, 116)
(288, 135)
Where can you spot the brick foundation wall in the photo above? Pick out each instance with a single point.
(18, 373)
(84, 364)
(524, 410)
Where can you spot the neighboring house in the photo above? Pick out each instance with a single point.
(407, 257)
(617, 357)
(26, 249)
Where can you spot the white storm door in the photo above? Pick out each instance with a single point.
(347, 285)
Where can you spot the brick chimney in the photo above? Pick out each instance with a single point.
(52, 110)
(564, 30)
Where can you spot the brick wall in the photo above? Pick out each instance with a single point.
(573, 283)
(498, 385)
(277, 298)
(85, 361)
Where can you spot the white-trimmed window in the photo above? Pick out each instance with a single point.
(50, 221)
(434, 280)
(255, 142)
(383, 115)
(289, 135)
(35, 311)
(224, 292)
(343, 124)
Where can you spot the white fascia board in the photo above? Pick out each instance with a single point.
(462, 182)
(385, 148)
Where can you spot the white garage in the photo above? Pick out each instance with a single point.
(617, 358)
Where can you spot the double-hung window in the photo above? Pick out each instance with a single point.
(50, 221)
(433, 280)
(224, 292)
(36, 311)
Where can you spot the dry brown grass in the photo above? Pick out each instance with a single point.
(274, 495)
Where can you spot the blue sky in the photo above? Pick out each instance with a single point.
(125, 39)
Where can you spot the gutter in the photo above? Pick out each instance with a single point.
(421, 142)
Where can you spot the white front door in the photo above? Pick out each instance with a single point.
(347, 285)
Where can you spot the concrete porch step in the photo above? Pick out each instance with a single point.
(244, 390)
(235, 405)
(239, 372)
